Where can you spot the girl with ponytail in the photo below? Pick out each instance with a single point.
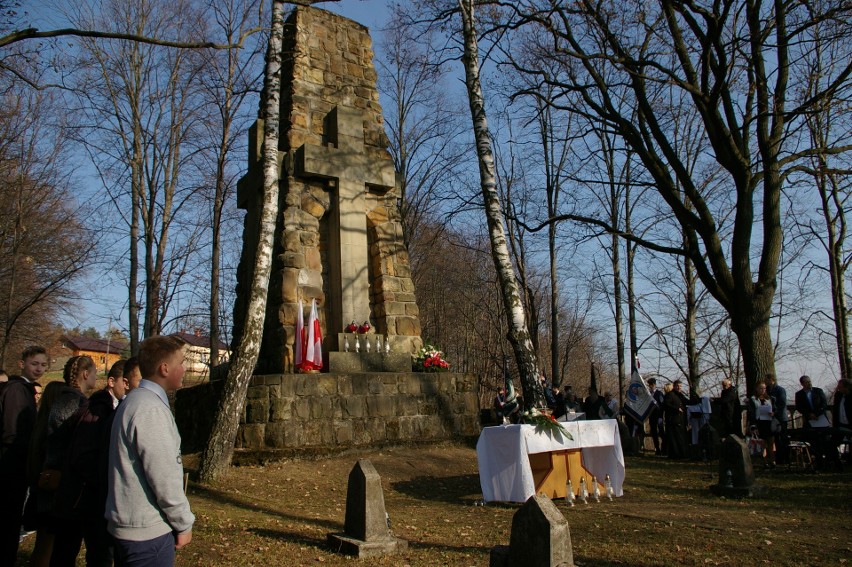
(80, 375)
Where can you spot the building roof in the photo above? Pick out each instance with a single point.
(95, 345)
(198, 340)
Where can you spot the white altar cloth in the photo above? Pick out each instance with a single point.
(504, 466)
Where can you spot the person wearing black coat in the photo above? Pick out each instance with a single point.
(674, 409)
(655, 418)
(559, 407)
(841, 413)
(813, 405)
(730, 410)
(782, 438)
(595, 406)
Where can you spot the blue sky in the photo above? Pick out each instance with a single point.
(371, 13)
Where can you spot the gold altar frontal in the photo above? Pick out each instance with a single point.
(552, 470)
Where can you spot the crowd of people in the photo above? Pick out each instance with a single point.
(101, 466)
(674, 416)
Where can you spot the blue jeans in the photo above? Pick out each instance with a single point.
(157, 552)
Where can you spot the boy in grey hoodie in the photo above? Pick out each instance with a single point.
(147, 511)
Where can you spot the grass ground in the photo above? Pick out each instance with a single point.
(279, 514)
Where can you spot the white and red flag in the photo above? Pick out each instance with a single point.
(299, 347)
(313, 341)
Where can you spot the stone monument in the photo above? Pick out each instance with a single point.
(339, 240)
(540, 538)
(366, 531)
(339, 230)
(736, 475)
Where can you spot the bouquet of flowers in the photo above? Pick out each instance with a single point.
(544, 423)
(429, 359)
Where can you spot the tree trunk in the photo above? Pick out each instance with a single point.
(756, 345)
(630, 253)
(136, 160)
(617, 311)
(518, 334)
(218, 205)
(692, 377)
(836, 232)
(220, 447)
(833, 204)
(555, 375)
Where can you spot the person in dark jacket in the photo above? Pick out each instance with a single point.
(68, 414)
(655, 418)
(782, 439)
(813, 405)
(18, 410)
(595, 406)
(559, 407)
(674, 408)
(39, 505)
(730, 410)
(841, 414)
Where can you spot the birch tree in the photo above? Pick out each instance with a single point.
(220, 446)
(518, 334)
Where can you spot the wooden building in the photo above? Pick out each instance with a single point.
(105, 352)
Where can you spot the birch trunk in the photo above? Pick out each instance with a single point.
(518, 334)
(220, 447)
(617, 309)
(834, 214)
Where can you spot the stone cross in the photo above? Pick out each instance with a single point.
(366, 530)
(346, 160)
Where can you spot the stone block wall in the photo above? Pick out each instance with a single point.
(335, 412)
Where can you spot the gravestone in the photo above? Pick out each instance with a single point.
(339, 233)
(736, 475)
(366, 530)
(540, 538)
(629, 444)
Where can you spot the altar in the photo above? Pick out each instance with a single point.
(515, 462)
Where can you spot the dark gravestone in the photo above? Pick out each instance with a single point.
(540, 538)
(629, 444)
(708, 440)
(736, 476)
(366, 532)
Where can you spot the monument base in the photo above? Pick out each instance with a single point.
(368, 362)
(753, 491)
(341, 543)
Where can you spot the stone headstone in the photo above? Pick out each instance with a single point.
(736, 475)
(540, 538)
(709, 440)
(629, 444)
(340, 234)
(366, 530)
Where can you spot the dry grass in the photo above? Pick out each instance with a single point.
(279, 514)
